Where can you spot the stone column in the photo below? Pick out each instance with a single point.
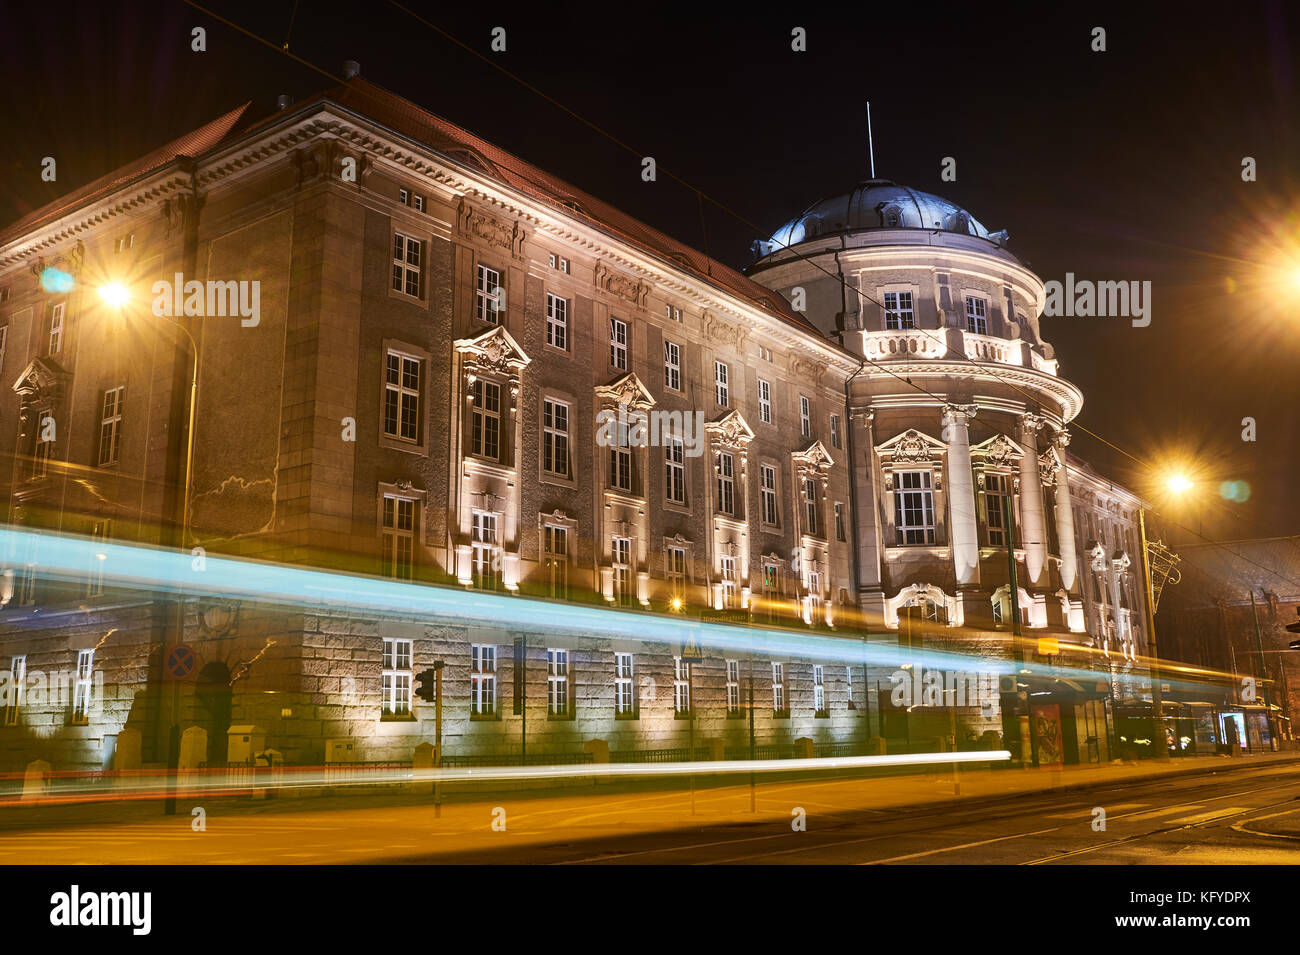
(1065, 516)
(1032, 530)
(961, 494)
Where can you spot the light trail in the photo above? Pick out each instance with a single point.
(224, 782)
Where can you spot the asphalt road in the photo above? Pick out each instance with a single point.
(1237, 815)
(1250, 817)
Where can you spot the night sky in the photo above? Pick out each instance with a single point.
(1119, 165)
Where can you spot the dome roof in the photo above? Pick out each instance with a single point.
(877, 204)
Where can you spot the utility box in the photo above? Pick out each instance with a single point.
(340, 751)
(243, 741)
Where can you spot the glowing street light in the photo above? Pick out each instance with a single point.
(115, 294)
(1179, 484)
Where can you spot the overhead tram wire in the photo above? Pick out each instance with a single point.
(987, 369)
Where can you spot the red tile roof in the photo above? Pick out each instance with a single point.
(404, 117)
(192, 144)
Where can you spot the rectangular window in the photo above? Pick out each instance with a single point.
(771, 578)
(402, 375)
(557, 322)
(728, 565)
(555, 554)
(778, 688)
(898, 310)
(996, 496)
(396, 676)
(564, 265)
(764, 402)
(733, 687)
(406, 264)
(672, 366)
(914, 507)
(819, 689)
(618, 343)
(681, 686)
(620, 460)
(398, 537)
(483, 544)
(805, 417)
(720, 383)
(483, 679)
(726, 483)
(555, 438)
(489, 304)
(815, 593)
(417, 203)
(621, 556)
(810, 506)
(672, 314)
(624, 688)
(557, 682)
(676, 571)
(15, 691)
(110, 427)
(675, 470)
(767, 493)
(404, 197)
(839, 521)
(57, 314)
(848, 686)
(764, 353)
(485, 420)
(101, 532)
(977, 318)
(835, 431)
(81, 689)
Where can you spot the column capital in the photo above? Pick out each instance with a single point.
(1030, 421)
(964, 411)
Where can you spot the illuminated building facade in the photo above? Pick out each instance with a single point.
(420, 358)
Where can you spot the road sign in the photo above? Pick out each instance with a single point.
(180, 664)
(692, 652)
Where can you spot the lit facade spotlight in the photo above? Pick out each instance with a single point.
(1180, 484)
(115, 294)
(676, 603)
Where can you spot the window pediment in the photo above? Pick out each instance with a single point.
(627, 390)
(493, 351)
(911, 447)
(731, 430)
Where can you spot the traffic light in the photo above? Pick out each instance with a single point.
(426, 685)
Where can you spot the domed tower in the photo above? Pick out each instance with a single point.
(958, 414)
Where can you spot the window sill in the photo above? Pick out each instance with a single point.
(736, 714)
(627, 717)
(557, 480)
(822, 715)
(493, 717)
(780, 714)
(683, 714)
(398, 718)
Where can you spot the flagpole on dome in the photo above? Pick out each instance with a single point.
(871, 149)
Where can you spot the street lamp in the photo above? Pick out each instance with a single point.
(117, 295)
(1177, 484)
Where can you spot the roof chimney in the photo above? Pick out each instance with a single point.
(351, 68)
(284, 102)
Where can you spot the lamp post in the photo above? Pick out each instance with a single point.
(117, 296)
(1153, 666)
